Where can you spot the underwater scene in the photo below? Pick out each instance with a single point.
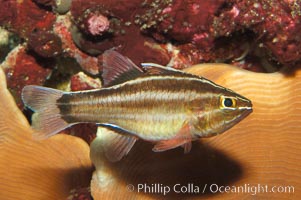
(150, 99)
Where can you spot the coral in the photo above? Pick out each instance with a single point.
(120, 31)
(276, 25)
(25, 17)
(45, 43)
(87, 63)
(201, 31)
(97, 24)
(81, 81)
(95, 21)
(7, 17)
(23, 69)
(179, 20)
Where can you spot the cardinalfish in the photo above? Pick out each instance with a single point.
(153, 103)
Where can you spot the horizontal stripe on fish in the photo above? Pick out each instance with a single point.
(136, 99)
(142, 92)
(157, 106)
(175, 85)
(144, 95)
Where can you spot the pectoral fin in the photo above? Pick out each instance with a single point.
(183, 138)
(116, 145)
(171, 144)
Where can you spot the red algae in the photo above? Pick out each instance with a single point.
(199, 30)
(81, 81)
(87, 63)
(182, 21)
(23, 69)
(25, 16)
(135, 28)
(120, 30)
(6, 17)
(45, 43)
(248, 34)
(276, 25)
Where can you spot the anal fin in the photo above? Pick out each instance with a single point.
(116, 145)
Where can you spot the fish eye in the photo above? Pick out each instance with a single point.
(228, 102)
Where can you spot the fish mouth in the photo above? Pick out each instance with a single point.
(246, 108)
(245, 111)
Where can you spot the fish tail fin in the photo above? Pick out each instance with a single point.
(47, 120)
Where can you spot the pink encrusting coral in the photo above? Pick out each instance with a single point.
(98, 24)
(94, 21)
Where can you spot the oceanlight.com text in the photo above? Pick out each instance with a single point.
(191, 188)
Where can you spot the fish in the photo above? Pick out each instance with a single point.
(154, 103)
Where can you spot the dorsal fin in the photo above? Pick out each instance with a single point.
(118, 69)
(156, 69)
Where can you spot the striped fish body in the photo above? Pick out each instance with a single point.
(153, 108)
(162, 105)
